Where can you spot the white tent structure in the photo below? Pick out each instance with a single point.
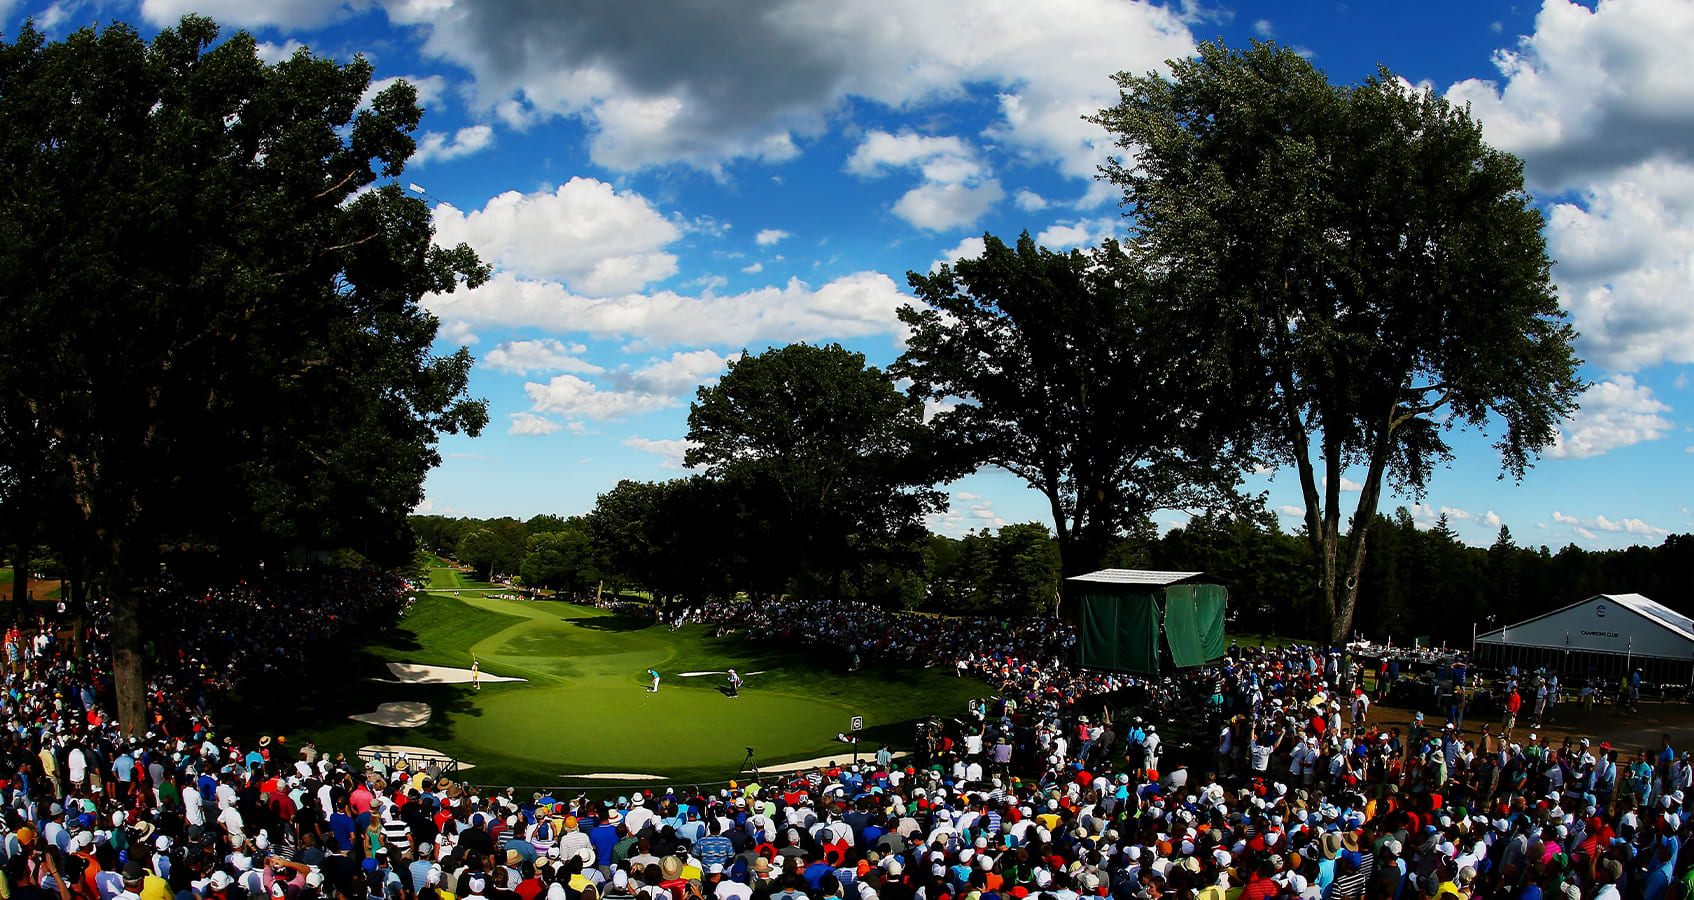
(1607, 634)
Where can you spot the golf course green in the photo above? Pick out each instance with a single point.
(585, 707)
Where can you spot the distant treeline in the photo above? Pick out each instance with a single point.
(1417, 582)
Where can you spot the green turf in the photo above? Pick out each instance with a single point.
(585, 707)
(1270, 641)
(5, 576)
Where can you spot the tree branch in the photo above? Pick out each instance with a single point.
(336, 186)
(368, 237)
(1416, 411)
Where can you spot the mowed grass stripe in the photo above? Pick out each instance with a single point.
(586, 709)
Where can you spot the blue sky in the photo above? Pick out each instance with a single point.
(662, 186)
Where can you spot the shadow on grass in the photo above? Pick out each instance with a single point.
(610, 623)
(894, 734)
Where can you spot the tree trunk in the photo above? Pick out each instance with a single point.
(128, 656)
(77, 601)
(20, 577)
(1370, 494)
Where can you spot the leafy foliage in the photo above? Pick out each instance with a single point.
(1013, 572)
(1369, 269)
(231, 355)
(846, 457)
(1063, 369)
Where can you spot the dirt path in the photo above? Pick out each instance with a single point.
(1627, 731)
(41, 590)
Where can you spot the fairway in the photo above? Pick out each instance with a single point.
(584, 706)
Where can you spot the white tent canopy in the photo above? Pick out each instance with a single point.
(1618, 624)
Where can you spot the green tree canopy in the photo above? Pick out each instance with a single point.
(489, 552)
(222, 299)
(1368, 266)
(847, 455)
(1067, 373)
(564, 560)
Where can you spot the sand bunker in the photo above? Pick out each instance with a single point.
(414, 673)
(420, 757)
(402, 714)
(867, 753)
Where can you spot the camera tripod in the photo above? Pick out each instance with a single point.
(749, 764)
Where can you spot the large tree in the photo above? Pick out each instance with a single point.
(1372, 269)
(1063, 369)
(845, 455)
(222, 303)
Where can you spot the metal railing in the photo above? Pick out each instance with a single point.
(415, 762)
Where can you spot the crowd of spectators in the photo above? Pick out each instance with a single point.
(1031, 792)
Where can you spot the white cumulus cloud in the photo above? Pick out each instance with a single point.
(856, 305)
(627, 391)
(969, 248)
(1614, 413)
(275, 53)
(948, 160)
(955, 190)
(672, 451)
(285, 14)
(983, 512)
(769, 236)
(1591, 90)
(1626, 264)
(1080, 233)
(573, 397)
(436, 146)
(1631, 526)
(587, 234)
(681, 373)
(1598, 102)
(1620, 525)
(535, 357)
(942, 207)
(1028, 200)
(704, 84)
(530, 423)
(431, 88)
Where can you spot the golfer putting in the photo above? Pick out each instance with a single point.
(655, 688)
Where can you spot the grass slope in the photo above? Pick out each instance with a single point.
(585, 707)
